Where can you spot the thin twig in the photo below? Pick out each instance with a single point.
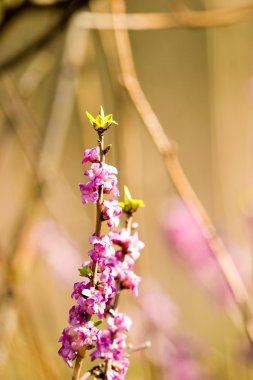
(86, 376)
(166, 20)
(143, 346)
(176, 173)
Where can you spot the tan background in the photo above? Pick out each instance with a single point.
(199, 82)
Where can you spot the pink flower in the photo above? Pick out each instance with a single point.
(119, 370)
(102, 247)
(111, 212)
(73, 338)
(118, 322)
(129, 243)
(78, 288)
(100, 172)
(89, 192)
(108, 347)
(91, 155)
(121, 238)
(130, 281)
(77, 316)
(135, 246)
(104, 175)
(106, 289)
(103, 346)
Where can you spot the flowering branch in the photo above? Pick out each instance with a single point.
(109, 271)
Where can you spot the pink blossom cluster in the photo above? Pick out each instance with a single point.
(114, 272)
(123, 262)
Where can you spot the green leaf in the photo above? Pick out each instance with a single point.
(101, 122)
(108, 118)
(91, 347)
(106, 150)
(130, 205)
(98, 322)
(127, 195)
(101, 112)
(121, 204)
(90, 117)
(85, 271)
(136, 203)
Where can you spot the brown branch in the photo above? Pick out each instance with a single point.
(86, 376)
(166, 20)
(176, 173)
(78, 363)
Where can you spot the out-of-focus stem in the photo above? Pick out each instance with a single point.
(176, 173)
(141, 347)
(165, 20)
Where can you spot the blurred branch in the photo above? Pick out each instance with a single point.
(35, 73)
(12, 10)
(67, 11)
(30, 139)
(59, 121)
(167, 20)
(176, 173)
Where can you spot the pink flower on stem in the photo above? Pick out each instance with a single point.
(73, 338)
(118, 322)
(119, 369)
(104, 175)
(108, 347)
(130, 281)
(111, 212)
(129, 243)
(77, 315)
(91, 155)
(89, 192)
(102, 247)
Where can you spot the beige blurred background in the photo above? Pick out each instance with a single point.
(199, 82)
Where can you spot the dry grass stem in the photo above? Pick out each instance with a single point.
(166, 20)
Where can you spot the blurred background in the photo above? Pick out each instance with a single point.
(56, 62)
